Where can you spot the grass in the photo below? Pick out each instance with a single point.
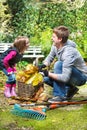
(57, 119)
(64, 118)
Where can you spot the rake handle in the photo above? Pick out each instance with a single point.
(57, 103)
(72, 102)
(54, 105)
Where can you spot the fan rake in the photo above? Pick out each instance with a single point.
(38, 113)
(28, 113)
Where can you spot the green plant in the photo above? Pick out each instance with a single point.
(22, 64)
(33, 19)
(45, 40)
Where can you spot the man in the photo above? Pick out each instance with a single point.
(69, 71)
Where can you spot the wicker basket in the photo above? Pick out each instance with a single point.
(27, 90)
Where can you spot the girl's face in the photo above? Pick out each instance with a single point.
(56, 40)
(25, 47)
(27, 44)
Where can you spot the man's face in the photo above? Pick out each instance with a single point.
(56, 40)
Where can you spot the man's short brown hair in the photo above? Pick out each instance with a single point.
(62, 32)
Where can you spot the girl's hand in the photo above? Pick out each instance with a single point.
(11, 69)
(10, 73)
(14, 69)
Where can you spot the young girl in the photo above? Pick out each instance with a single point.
(9, 59)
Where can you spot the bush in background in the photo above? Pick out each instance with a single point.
(36, 20)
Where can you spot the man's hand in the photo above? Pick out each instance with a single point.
(44, 72)
(40, 67)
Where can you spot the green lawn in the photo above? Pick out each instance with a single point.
(66, 118)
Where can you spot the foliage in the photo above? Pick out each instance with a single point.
(45, 40)
(21, 65)
(4, 20)
(35, 18)
(15, 7)
(25, 21)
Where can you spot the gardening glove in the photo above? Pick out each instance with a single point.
(40, 67)
(44, 72)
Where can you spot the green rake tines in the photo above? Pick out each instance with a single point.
(28, 113)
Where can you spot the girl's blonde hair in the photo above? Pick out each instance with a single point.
(21, 43)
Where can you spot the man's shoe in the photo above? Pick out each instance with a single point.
(57, 99)
(72, 92)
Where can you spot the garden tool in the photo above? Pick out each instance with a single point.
(39, 112)
(53, 105)
(28, 113)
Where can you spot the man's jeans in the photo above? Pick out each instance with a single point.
(60, 88)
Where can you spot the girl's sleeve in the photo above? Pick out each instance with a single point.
(10, 56)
